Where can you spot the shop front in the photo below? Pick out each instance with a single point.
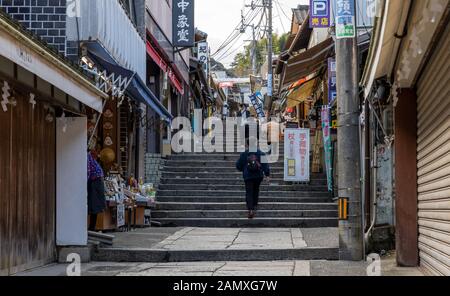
(116, 138)
(412, 72)
(42, 150)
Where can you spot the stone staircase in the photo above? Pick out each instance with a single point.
(206, 190)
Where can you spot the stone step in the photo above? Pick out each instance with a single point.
(211, 163)
(241, 198)
(229, 214)
(240, 193)
(221, 175)
(159, 256)
(232, 181)
(234, 206)
(206, 156)
(216, 169)
(258, 222)
(218, 186)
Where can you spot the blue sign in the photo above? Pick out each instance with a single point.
(320, 14)
(256, 100)
(345, 19)
(332, 88)
(365, 13)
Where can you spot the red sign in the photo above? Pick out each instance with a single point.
(226, 84)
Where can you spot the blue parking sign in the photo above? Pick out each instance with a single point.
(320, 14)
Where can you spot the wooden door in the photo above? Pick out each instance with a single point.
(27, 184)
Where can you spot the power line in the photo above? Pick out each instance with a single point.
(281, 7)
(233, 33)
(279, 15)
(233, 41)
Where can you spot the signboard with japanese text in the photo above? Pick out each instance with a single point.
(183, 23)
(320, 14)
(366, 11)
(345, 19)
(203, 55)
(297, 153)
(256, 100)
(332, 88)
(327, 145)
(120, 215)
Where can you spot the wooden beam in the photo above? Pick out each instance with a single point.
(406, 208)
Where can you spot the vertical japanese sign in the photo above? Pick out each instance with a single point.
(297, 151)
(345, 19)
(256, 100)
(320, 14)
(183, 23)
(326, 129)
(270, 85)
(332, 89)
(203, 55)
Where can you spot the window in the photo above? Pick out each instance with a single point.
(130, 8)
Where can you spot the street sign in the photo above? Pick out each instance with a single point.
(297, 151)
(332, 87)
(320, 14)
(345, 19)
(203, 55)
(256, 100)
(183, 23)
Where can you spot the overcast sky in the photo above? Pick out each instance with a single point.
(218, 18)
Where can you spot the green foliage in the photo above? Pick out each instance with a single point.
(242, 64)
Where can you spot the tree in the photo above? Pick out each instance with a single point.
(242, 64)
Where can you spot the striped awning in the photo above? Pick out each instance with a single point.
(301, 94)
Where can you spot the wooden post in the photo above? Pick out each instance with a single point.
(406, 178)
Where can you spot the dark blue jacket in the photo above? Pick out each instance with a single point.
(241, 165)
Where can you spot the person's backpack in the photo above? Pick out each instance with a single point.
(253, 163)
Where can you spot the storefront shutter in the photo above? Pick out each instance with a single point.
(433, 156)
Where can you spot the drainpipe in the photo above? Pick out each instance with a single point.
(367, 171)
(373, 213)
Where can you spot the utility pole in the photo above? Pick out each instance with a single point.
(270, 52)
(255, 45)
(349, 173)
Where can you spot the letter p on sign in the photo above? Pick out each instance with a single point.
(320, 8)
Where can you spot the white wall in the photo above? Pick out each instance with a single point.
(71, 182)
(106, 21)
(161, 11)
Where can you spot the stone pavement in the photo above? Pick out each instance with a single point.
(192, 244)
(192, 238)
(262, 268)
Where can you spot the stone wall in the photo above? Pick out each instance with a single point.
(154, 164)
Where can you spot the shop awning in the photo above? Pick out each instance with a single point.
(156, 57)
(307, 62)
(136, 89)
(301, 94)
(295, 42)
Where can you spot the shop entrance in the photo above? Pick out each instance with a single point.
(27, 184)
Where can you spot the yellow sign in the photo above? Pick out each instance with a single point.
(343, 208)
